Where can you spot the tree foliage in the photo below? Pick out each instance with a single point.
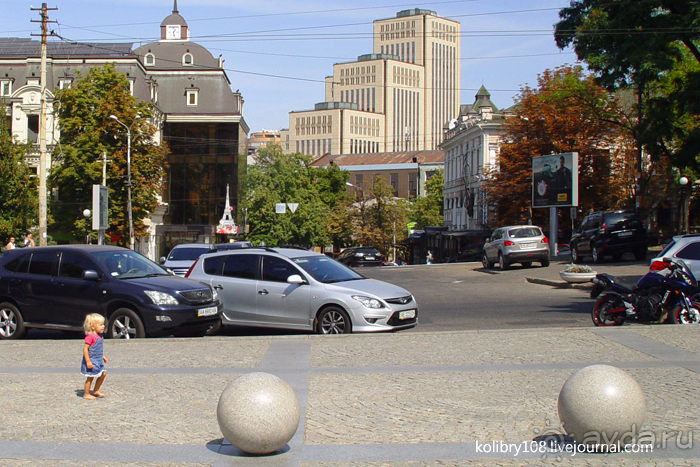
(428, 210)
(279, 178)
(87, 131)
(649, 46)
(18, 195)
(567, 112)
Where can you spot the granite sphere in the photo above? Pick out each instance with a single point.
(601, 404)
(258, 413)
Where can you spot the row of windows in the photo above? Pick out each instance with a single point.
(404, 76)
(314, 147)
(358, 146)
(444, 31)
(358, 80)
(405, 50)
(358, 70)
(322, 124)
(398, 25)
(246, 267)
(397, 35)
(364, 126)
(187, 59)
(364, 100)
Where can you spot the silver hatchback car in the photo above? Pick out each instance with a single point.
(299, 289)
(522, 244)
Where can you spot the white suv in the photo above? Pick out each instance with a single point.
(522, 244)
(299, 289)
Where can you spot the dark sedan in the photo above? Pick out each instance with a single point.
(360, 257)
(56, 287)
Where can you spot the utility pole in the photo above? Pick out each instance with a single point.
(43, 153)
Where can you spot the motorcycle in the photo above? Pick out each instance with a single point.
(657, 297)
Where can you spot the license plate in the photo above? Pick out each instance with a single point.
(528, 246)
(369, 258)
(408, 314)
(212, 310)
(624, 234)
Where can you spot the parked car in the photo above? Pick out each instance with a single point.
(360, 256)
(522, 244)
(683, 247)
(300, 289)
(469, 253)
(56, 287)
(182, 256)
(609, 233)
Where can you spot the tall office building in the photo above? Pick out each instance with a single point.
(398, 98)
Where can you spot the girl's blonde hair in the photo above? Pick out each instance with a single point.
(92, 320)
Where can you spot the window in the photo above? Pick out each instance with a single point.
(394, 177)
(19, 265)
(192, 95)
(691, 251)
(73, 265)
(65, 83)
(5, 87)
(150, 59)
(276, 269)
(187, 59)
(42, 263)
(241, 266)
(213, 266)
(32, 128)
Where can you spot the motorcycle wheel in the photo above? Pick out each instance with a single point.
(600, 311)
(681, 316)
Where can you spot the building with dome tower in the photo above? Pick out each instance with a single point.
(196, 114)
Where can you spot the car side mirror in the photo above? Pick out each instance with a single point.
(90, 275)
(295, 279)
(161, 260)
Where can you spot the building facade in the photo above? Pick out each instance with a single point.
(396, 99)
(197, 115)
(471, 150)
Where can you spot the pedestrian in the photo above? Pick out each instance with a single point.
(429, 258)
(29, 241)
(11, 244)
(93, 364)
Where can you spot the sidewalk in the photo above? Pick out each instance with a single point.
(400, 399)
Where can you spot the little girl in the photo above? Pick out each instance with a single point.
(93, 359)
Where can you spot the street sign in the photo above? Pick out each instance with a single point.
(280, 208)
(293, 207)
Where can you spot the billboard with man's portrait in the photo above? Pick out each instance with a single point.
(555, 180)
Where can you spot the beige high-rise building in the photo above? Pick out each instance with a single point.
(398, 98)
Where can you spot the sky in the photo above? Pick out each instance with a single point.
(277, 53)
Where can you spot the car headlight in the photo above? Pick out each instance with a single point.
(161, 298)
(368, 302)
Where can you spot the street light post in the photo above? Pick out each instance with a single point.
(128, 175)
(86, 214)
(683, 181)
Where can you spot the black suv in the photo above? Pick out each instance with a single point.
(56, 287)
(609, 233)
(360, 256)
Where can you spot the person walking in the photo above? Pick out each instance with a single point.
(429, 258)
(93, 364)
(11, 244)
(29, 241)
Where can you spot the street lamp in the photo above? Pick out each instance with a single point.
(86, 214)
(683, 181)
(128, 174)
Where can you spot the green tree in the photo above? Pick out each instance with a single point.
(18, 196)
(567, 112)
(650, 47)
(428, 210)
(87, 131)
(279, 178)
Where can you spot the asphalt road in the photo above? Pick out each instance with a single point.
(465, 296)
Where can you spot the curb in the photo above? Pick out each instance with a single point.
(558, 284)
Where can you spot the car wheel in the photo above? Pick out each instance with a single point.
(575, 255)
(641, 254)
(214, 329)
(545, 263)
(502, 262)
(485, 261)
(597, 255)
(125, 324)
(11, 322)
(333, 320)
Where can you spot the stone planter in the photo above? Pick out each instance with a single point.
(577, 277)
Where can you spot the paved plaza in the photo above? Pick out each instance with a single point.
(395, 400)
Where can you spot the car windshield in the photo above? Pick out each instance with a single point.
(326, 270)
(622, 220)
(524, 232)
(186, 254)
(127, 264)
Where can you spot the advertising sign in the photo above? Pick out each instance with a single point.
(100, 208)
(555, 180)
